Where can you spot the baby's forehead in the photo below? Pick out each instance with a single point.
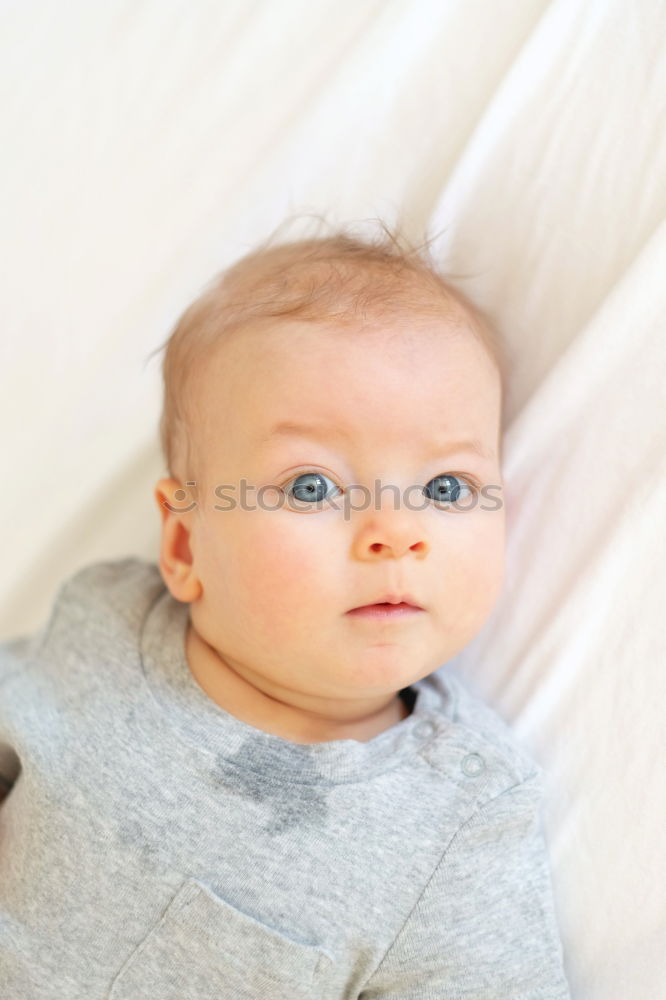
(291, 365)
(291, 349)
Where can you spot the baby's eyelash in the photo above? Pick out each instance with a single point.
(465, 478)
(447, 472)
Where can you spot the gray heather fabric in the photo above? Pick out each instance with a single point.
(154, 847)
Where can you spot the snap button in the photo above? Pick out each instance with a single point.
(473, 764)
(424, 728)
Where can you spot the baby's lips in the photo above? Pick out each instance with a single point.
(392, 599)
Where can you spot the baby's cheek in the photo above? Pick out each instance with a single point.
(471, 575)
(482, 585)
(282, 571)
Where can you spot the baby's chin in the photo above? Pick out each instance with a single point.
(382, 669)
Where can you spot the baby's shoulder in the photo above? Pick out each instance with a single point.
(84, 662)
(483, 741)
(97, 611)
(105, 600)
(115, 583)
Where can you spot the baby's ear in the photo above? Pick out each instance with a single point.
(173, 498)
(176, 562)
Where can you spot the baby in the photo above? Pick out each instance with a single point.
(242, 773)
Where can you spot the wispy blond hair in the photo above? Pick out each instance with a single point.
(344, 277)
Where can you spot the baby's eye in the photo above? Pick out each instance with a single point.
(310, 488)
(446, 489)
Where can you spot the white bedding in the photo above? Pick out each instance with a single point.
(146, 145)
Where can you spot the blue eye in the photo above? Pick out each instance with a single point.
(446, 489)
(311, 489)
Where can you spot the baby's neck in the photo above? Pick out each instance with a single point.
(244, 702)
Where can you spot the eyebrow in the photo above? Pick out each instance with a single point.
(288, 428)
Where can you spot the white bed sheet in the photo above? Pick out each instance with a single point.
(146, 145)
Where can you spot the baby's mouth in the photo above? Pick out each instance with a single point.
(385, 611)
(392, 601)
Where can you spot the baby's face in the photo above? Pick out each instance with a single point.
(389, 408)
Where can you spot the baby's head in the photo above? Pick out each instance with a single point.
(332, 433)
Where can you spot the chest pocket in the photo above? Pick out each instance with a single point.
(205, 949)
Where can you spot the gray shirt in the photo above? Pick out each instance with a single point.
(154, 847)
